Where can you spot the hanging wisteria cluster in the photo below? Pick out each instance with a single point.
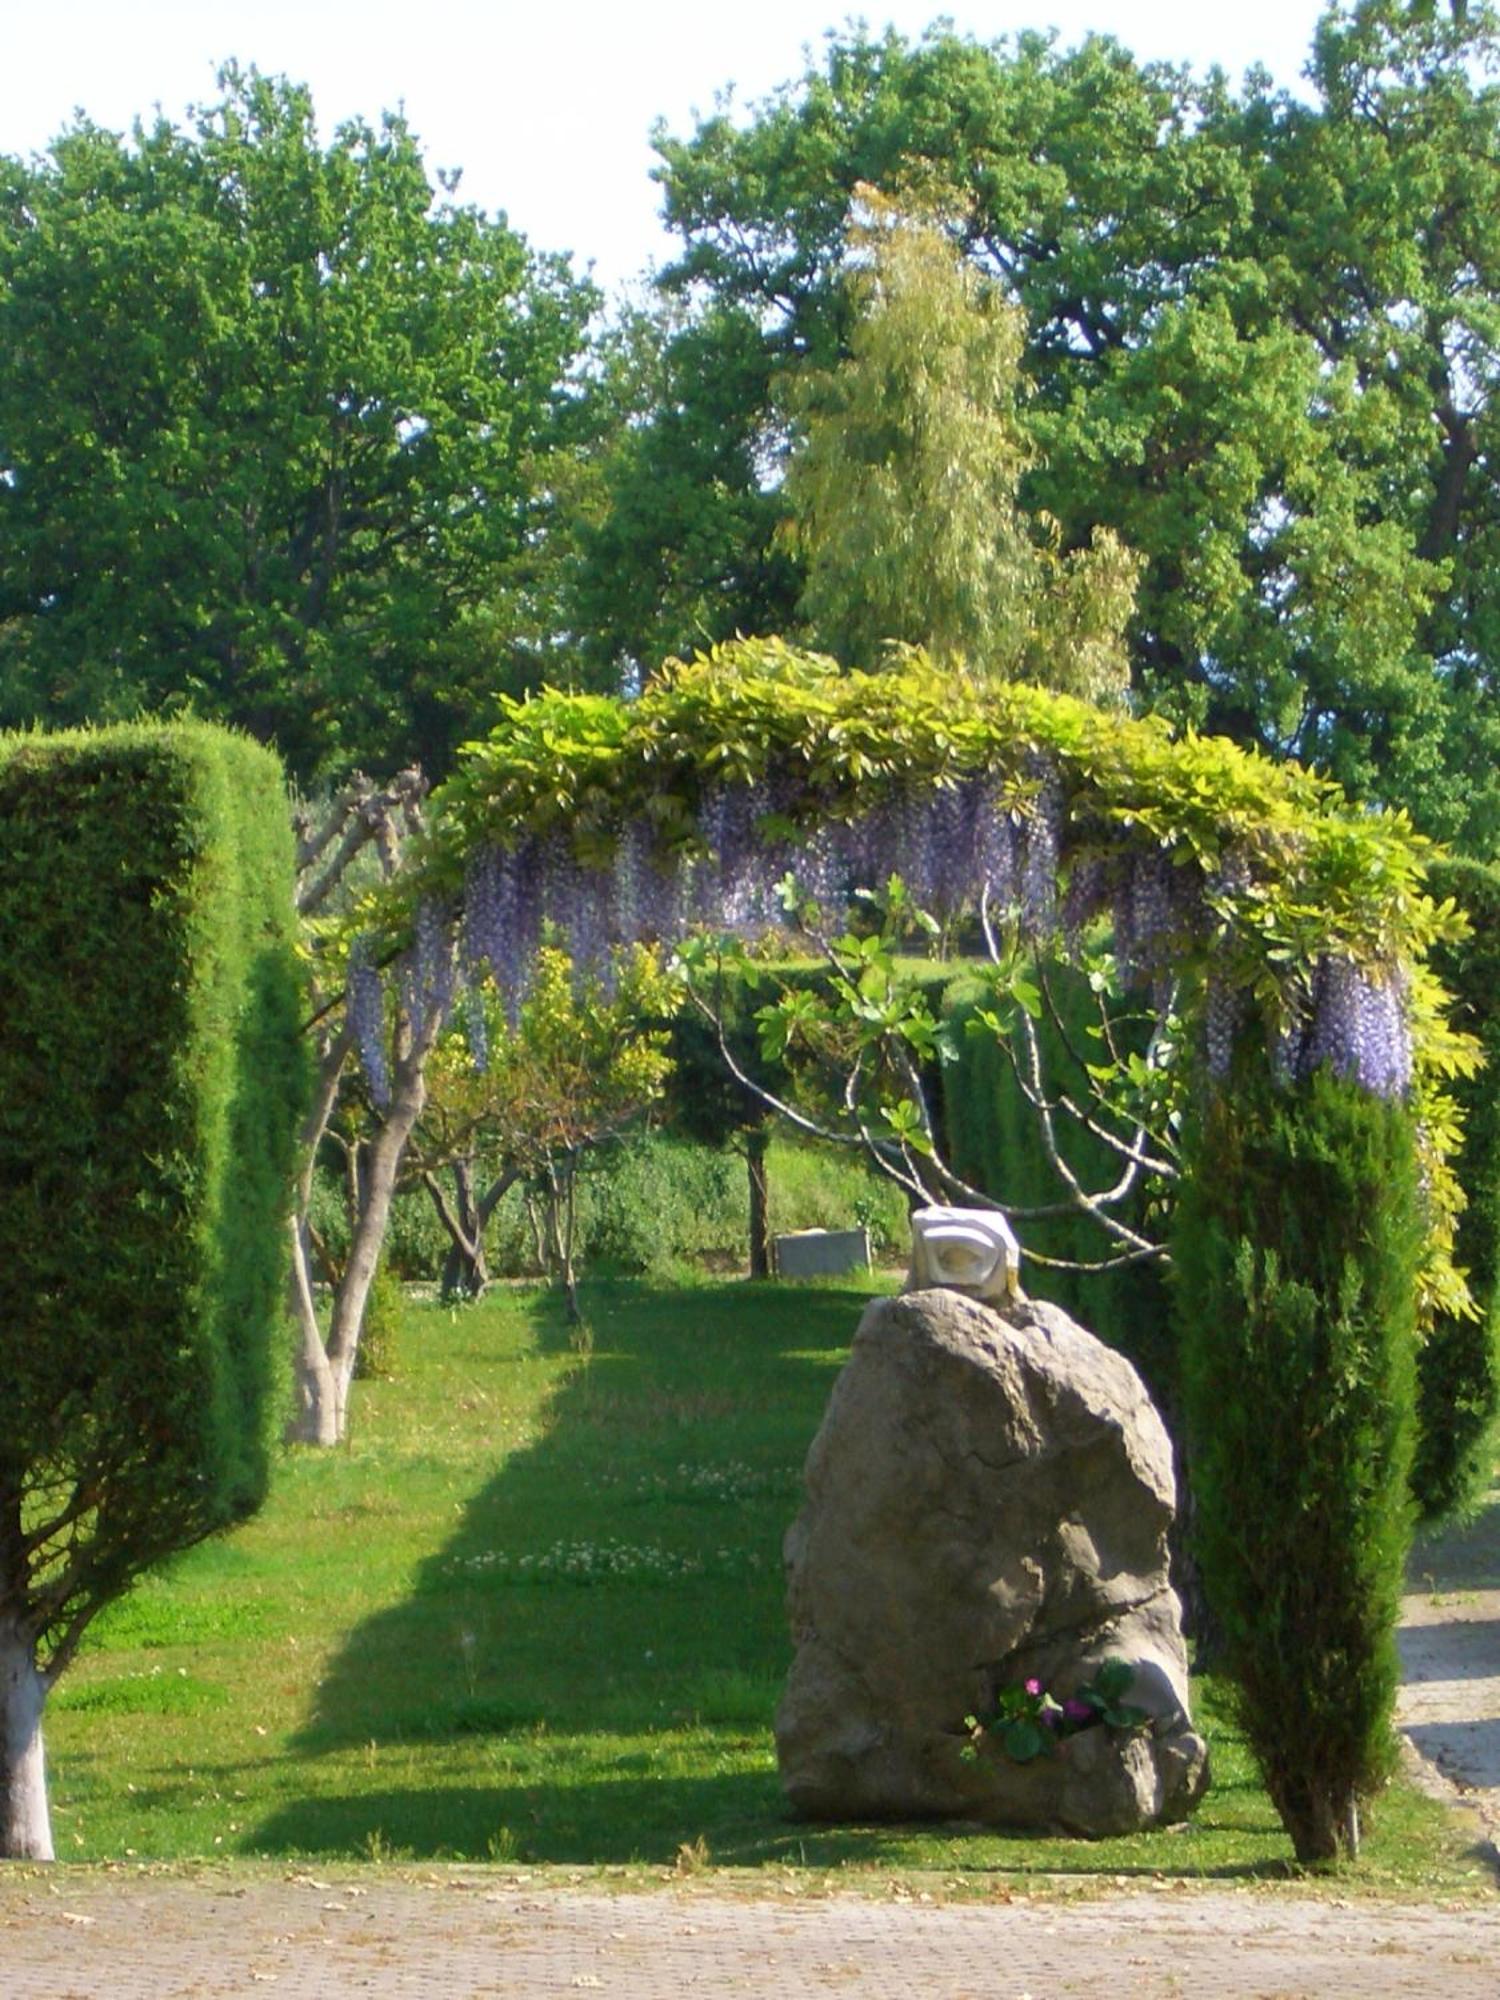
(1356, 1023)
(953, 845)
(950, 845)
(364, 1007)
(425, 977)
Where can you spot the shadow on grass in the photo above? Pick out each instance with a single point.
(730, 1821)
(618, 1582)
(587, 1670)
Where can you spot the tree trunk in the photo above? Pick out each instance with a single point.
(381, 1162)
(552, 1249)
(538, 1245)
(465, 1274)
(757, 1144)
(568, 1275)
(25, 1825)
(465, 1268)
(316, 1417)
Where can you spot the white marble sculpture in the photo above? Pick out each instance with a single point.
(969, 1250)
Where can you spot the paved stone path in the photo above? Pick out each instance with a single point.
(1450, 1701)
(102, 1937)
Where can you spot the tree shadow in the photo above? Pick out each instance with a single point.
(586, 1671)
(619, 1579)
(1461, 1557)
(1460, 1748)
(1467, 1649)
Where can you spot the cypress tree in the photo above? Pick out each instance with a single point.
(1295, 1248)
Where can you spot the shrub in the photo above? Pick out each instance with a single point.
(379, 1341)
(1295, 1246)
(653, 1201)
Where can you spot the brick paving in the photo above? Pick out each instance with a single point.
(107, 1936)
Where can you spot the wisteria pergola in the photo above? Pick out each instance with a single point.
(1280, 935)
(1285, 922)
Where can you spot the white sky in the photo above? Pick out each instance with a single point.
(547, 108)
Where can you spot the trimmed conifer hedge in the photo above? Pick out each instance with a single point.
(151, 1076)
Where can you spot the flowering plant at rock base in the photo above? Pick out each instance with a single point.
(1028, 1722)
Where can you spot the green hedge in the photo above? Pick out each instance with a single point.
(1458, 1368)
(151, 1075)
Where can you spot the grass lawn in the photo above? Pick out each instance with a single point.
(533, 1613)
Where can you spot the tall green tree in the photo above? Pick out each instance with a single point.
(904, 476)
(280, 430)
(1261, 333)
(679, 549)
(1298, 1347)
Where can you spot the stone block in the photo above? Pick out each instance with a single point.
(822, 1253)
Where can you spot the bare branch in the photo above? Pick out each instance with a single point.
(1153, 1253)
(447, 1217)
(360, 815)
(85, 1498)
(1087, 1204)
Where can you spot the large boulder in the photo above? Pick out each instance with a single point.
(988, 1502)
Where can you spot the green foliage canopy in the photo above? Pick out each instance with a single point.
(904, 477)
(275, 434)
(1262, 339)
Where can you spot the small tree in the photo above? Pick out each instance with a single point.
(904, 483)
(710, 1103)
(150, 1082)
(529, 1101)
(394, 1025)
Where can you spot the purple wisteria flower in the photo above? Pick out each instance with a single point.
(364, 1003)
(494, 893)
(428, 969)
(1358, 1026)
(476, 1027)
(1040, 830)
(1090, 891)
(1158, 909)
(732, 888)
(1224, 1011)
